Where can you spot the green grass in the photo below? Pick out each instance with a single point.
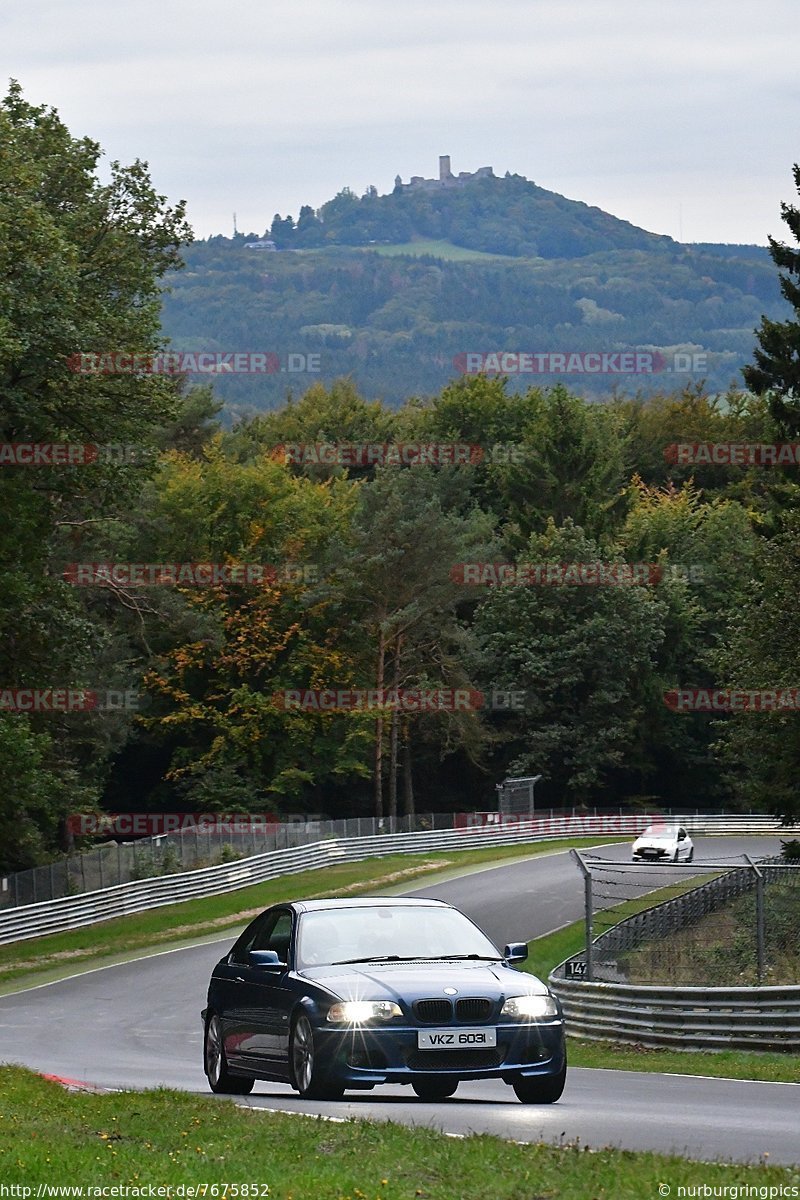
(721, 1064)
(160, 1138)
(55, 955)
(547, 952)
(720, 948)
(438, 249)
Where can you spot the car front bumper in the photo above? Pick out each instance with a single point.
(368, 1055)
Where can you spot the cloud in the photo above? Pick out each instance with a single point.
(682, 113)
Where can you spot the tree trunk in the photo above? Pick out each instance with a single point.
(393, 734)
(408, 783)
(393, 763)
(378, 779)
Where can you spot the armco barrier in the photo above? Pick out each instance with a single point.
(712, 1018)
(741, 1018)
(72, 912)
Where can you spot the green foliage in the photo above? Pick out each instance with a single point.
(761, 649)
(584, 658)
(777, 356)
(80, 263)
(399, 326)
(498, 216)
(370, 595)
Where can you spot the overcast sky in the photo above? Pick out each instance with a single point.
(682, 118)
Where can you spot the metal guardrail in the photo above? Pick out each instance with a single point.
(754, 1018)
(73, 912)
(202, 845)
(740, 1018)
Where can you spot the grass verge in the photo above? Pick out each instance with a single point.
(40, 959)
(162, 1138)
(438, 248)
(547, 952)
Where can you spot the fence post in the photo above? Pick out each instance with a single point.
(760, 928)
(587, 892)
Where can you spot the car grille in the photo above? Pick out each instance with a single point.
(367, 1057)
(455, 1060)
(473, 1008)
(433, 1012)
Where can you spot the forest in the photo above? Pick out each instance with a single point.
(168, 592)
(400, 320)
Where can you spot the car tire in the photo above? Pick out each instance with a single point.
(690, 855)
(435, 1088)
(540, 1090)
(220, 1080)
(307, 1076)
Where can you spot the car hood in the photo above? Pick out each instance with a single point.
(414, 981)
(657, 840)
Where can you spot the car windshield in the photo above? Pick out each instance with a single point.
(661, 831)
(387, 932)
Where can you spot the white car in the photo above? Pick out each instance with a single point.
(663, 843)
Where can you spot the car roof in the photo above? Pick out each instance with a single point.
(338, 902)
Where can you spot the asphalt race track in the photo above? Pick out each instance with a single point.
(138, 1025)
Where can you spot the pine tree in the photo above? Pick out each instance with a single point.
(777, 362)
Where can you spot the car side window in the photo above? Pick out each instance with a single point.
(247, 941)
(681, 835)
(275, 935)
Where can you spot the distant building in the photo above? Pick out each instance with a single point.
(446, 178)
(261, 244)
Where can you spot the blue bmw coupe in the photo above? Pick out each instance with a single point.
(334, 994)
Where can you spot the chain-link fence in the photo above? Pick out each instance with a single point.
(717, 923)
(121, 862)
(207, 843)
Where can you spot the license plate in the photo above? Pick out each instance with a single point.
(456, 1039)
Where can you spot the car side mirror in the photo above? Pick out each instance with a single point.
(515, 952)
(266, 960)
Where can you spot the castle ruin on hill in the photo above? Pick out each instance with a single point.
(446, 178)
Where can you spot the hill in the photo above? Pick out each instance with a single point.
(397, 290)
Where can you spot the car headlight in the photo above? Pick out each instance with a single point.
(530, 1007)
(361, 1012)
